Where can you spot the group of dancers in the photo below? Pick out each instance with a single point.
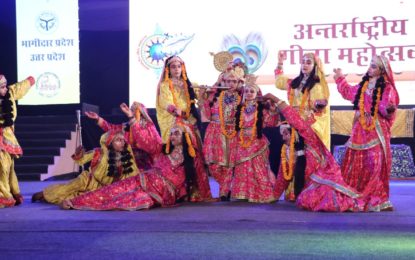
(135, 167)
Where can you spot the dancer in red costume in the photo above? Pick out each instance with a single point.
(253, 179)
(172, 177)
(325, 188)
(367, 162)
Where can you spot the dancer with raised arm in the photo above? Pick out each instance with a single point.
(172, 178)
(9, 147)
(112, 162)
(309, 94)
(368, 160)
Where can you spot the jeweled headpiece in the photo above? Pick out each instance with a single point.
(108, 137)
(190, 138)
(381, 62)
(250, 81)
(175, 58)
(221, 60)
(284, 125)
(319, 71)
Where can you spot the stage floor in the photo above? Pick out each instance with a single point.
(221, 230)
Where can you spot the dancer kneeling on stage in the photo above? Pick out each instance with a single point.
(325, 189)
(137, 114)
(112, 162)
(172, 178)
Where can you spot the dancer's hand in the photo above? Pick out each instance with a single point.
(271, 97)
(66, 204)
(282, 55)
(79, 151)
(171, 109)
(320, 105)
(31, 80)
(126, 110)
(179, 112)
(92, 115)
(337, 73)
(390, 108)
(272, 105)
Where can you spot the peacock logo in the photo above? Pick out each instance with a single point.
(251, 51)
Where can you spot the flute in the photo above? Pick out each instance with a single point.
(207, 87)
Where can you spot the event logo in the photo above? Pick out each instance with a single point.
(251, 51)
(154, 49)
(48, 85)
(47, 22)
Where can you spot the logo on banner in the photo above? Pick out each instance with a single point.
(47, 22)
(251, 50)
(154, 49)
(48, 85)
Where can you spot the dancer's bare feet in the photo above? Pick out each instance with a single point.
(66, 204)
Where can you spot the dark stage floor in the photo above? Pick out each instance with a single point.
(235, 230)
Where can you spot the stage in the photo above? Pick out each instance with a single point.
(221, 230)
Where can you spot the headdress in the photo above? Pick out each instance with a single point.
(383, 63)
(108, 137)
(284, 125)
(250, 82)
(173, 59)
(221, 60)
(140, 110)
(127, 160)
(234, 71)
(190, 138)
(166, 71)
(319, 72)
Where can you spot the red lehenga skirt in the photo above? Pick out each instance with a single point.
(253, 179)
(367, 172)
(144, 191)
(7, 202)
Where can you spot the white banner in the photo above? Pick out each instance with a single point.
(48, 50)
(345, 34)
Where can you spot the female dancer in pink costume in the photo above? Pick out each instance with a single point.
(221, 141)
(325, 188)
(253, 179)
(171, 178)
(368, 159)
(138, 115)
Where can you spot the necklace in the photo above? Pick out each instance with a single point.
(249, 108)
(287, 174)
(176, 156)
(241, 124)
(229, 134)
